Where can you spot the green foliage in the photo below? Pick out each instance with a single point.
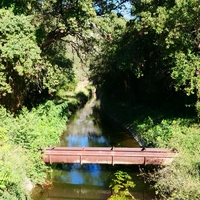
(43, 130)
(165, 127)
(15, 167)
(59, 74)
(20, 138)
(18, 51)
(181, 179)
(13, 172)
(121, 183)
(155, 133)
(186, 72)
(172, 26)
(27, 73)
(156, 55)
(145, 59)
(34, 38)
(20, 57)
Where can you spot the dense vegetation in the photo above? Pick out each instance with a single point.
(165, 126)
(21, 139)
(156, 58)
(148, 68)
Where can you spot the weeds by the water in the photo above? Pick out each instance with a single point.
(121, 183)
(167, 128)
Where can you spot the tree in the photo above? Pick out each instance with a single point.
(173, 30)
(56, 25)
(30, 32)
(158, 53)
(21, 63)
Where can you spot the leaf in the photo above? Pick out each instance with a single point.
(19, 69)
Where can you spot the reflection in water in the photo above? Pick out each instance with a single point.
(90, 128)
(85, 141)
(90, 174)
(84, 129)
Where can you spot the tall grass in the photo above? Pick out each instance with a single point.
(167, 128)
(20, 138)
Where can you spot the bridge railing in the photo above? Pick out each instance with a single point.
(107, 155)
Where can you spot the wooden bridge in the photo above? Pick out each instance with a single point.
(107, 155)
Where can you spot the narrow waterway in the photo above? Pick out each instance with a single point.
(89, 127)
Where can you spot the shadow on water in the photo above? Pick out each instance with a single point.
(89, 127)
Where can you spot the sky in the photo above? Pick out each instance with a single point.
(127, 13)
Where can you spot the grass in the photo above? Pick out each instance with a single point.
(168, 127)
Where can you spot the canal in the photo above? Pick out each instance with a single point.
(89, 127)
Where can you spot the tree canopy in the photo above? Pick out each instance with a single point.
(33, 46)
(157, 54)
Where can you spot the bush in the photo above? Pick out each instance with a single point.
(120, 184)
(166, 128)
(20, 138)
(180, 180)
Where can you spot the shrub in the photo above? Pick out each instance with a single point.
(20, 138)
(120, 184)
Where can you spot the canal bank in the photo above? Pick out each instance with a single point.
(165, 126)
(127, 126)
(114, 114)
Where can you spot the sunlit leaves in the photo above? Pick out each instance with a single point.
(186, 72)
(121, 183)
(172, 29)
(18, 49)
(12, 172)
(20, 138)
(24, 39)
